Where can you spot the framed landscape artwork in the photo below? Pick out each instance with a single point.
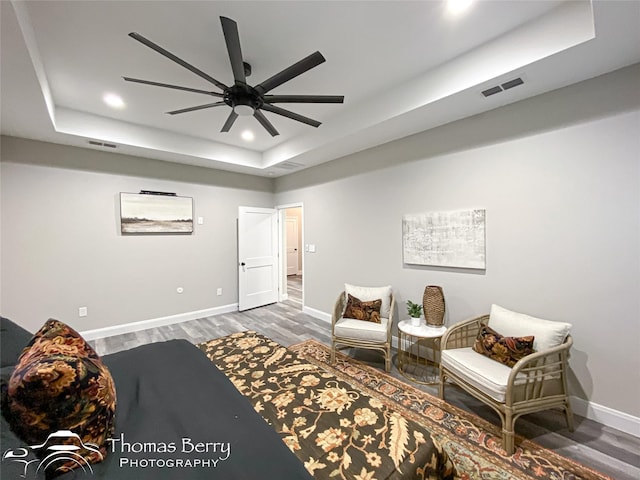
(148, 213)
(445, 239)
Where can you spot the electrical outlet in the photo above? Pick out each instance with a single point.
(82, 312)
(219, 291)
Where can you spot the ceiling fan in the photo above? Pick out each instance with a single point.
(241, 97)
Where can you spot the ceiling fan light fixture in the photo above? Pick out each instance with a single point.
(243, 110)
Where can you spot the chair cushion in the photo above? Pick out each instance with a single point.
(367, 294)
(361, 330)
(356, 308)
(483, 373)
(547, 333)
(507, 350)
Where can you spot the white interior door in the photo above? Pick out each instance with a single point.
(257, 257)
(292, 246)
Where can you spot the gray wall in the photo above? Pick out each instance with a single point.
(62, 247)
(559, 178)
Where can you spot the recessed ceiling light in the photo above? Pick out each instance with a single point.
(247, 135)
(456, 7)
(113, 100)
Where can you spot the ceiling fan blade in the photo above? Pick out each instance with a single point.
(231, 37)
(197, 107)
(265, 123)
(291, 115)
(179, 61)
(293, 71)
(303, 98)
(175, 87)
(230, 121)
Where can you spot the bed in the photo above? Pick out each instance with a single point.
(168, 394)
(264, 412)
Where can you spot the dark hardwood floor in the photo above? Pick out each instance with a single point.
(598, 446)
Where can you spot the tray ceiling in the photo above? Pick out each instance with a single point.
(403, 67)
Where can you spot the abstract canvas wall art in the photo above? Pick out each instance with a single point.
(445, 239)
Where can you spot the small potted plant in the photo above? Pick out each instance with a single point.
(414, 311)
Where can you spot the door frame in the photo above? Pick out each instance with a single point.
(282, 250)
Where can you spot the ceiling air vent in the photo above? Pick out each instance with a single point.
(289, 165)
(501, 88)
(102, 144)
(491, 91)
(512, 83)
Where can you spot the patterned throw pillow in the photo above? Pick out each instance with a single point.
(61, 392)
(369, 311)
(507, 350)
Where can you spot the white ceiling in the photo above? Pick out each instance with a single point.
(403, 67)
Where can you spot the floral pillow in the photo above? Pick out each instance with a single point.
(506, 350)
(369, 311)
(60, 391)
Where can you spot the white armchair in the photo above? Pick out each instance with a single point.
(352, 332)
(537, 381)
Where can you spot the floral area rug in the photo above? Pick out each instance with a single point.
(472, 444)
(334, 427)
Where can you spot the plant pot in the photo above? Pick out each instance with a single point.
(415, 321)
(433, 305)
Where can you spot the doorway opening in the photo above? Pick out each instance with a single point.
(291, 245)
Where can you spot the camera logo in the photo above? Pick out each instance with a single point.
(60, 447)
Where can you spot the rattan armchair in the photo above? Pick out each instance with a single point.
(351, 333)
(536, 382)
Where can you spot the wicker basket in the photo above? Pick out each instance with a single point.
(433, 305)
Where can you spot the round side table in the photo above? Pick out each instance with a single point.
(419, 352)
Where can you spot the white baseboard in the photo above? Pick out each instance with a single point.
(157, 322)
(606, 416)
(320, 315)
(598, 413)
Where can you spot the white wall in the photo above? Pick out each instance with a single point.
(562, 207)
(62, 247)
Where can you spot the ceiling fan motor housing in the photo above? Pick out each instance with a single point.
(242, 96)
